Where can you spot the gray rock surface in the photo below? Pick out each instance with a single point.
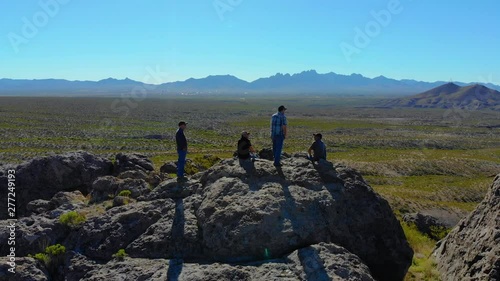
(27, 269)
(314, 263)
(303, 221)
(107, 187)
(132, 161)
(471, 251)
(43, 177)
(101, 237)
(169, 168)
(33, 234)
(243, 214)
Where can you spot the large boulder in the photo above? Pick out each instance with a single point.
(303, 221)
(43, 177)
(244, 215)
(471, 251)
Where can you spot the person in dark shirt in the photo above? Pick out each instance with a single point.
(181, 141)
(245, 147)
(318, 148)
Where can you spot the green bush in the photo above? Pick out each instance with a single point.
(52, 258)
(200, 164)
(125, 193)
(207, 161)
(55, 250)
(439, 232)
(42, 257)
(72, 219)
(120, 255)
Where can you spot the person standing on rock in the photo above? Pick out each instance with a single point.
(278, 133)
(181, 141)
(318, 148)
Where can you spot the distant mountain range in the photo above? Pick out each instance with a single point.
(451, 95)
(306, 82)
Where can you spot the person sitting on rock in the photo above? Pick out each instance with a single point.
(318, 148)
(245, 149)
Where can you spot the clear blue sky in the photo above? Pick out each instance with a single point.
(94, 39)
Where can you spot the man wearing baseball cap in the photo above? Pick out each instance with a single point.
(181, 141)
(278, 133)
(318, 148)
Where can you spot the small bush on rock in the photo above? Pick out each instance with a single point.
(72, 219)
(120, 255)
(125, 193)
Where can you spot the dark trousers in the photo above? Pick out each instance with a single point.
(181, 162)
(277, 148)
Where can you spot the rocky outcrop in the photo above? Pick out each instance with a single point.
(43, 177)
(244, 215)
(426, 224)
(27, 269)
(471, 251)
(107, 187)
(169, 168)
(132, 161)
(318, 262)
(303, 221)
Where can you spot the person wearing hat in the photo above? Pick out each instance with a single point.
(278, 133)
(318, 148)
(245, 148)
(181, 141)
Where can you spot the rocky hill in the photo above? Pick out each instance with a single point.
(299, 222)
(471, 251)
(450, 95)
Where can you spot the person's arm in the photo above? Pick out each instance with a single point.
(284, 127)
(251, 149)
(310, 150)
(184, 142)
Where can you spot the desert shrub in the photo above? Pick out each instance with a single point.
(439, 232)
(52, 258)
(423, 265)
(125, 193)
(120, 255)
(55, 250)
(42, 257)
(191, 168)
(200, 164)
(72, 219)
(206, 161)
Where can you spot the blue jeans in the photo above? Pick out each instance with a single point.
(277, 148)
(181, 162)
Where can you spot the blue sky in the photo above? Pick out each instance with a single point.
(93, 39)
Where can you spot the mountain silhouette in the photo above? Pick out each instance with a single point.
(306, 82)
(451, 95)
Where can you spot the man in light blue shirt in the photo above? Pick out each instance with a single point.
(278, 133)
